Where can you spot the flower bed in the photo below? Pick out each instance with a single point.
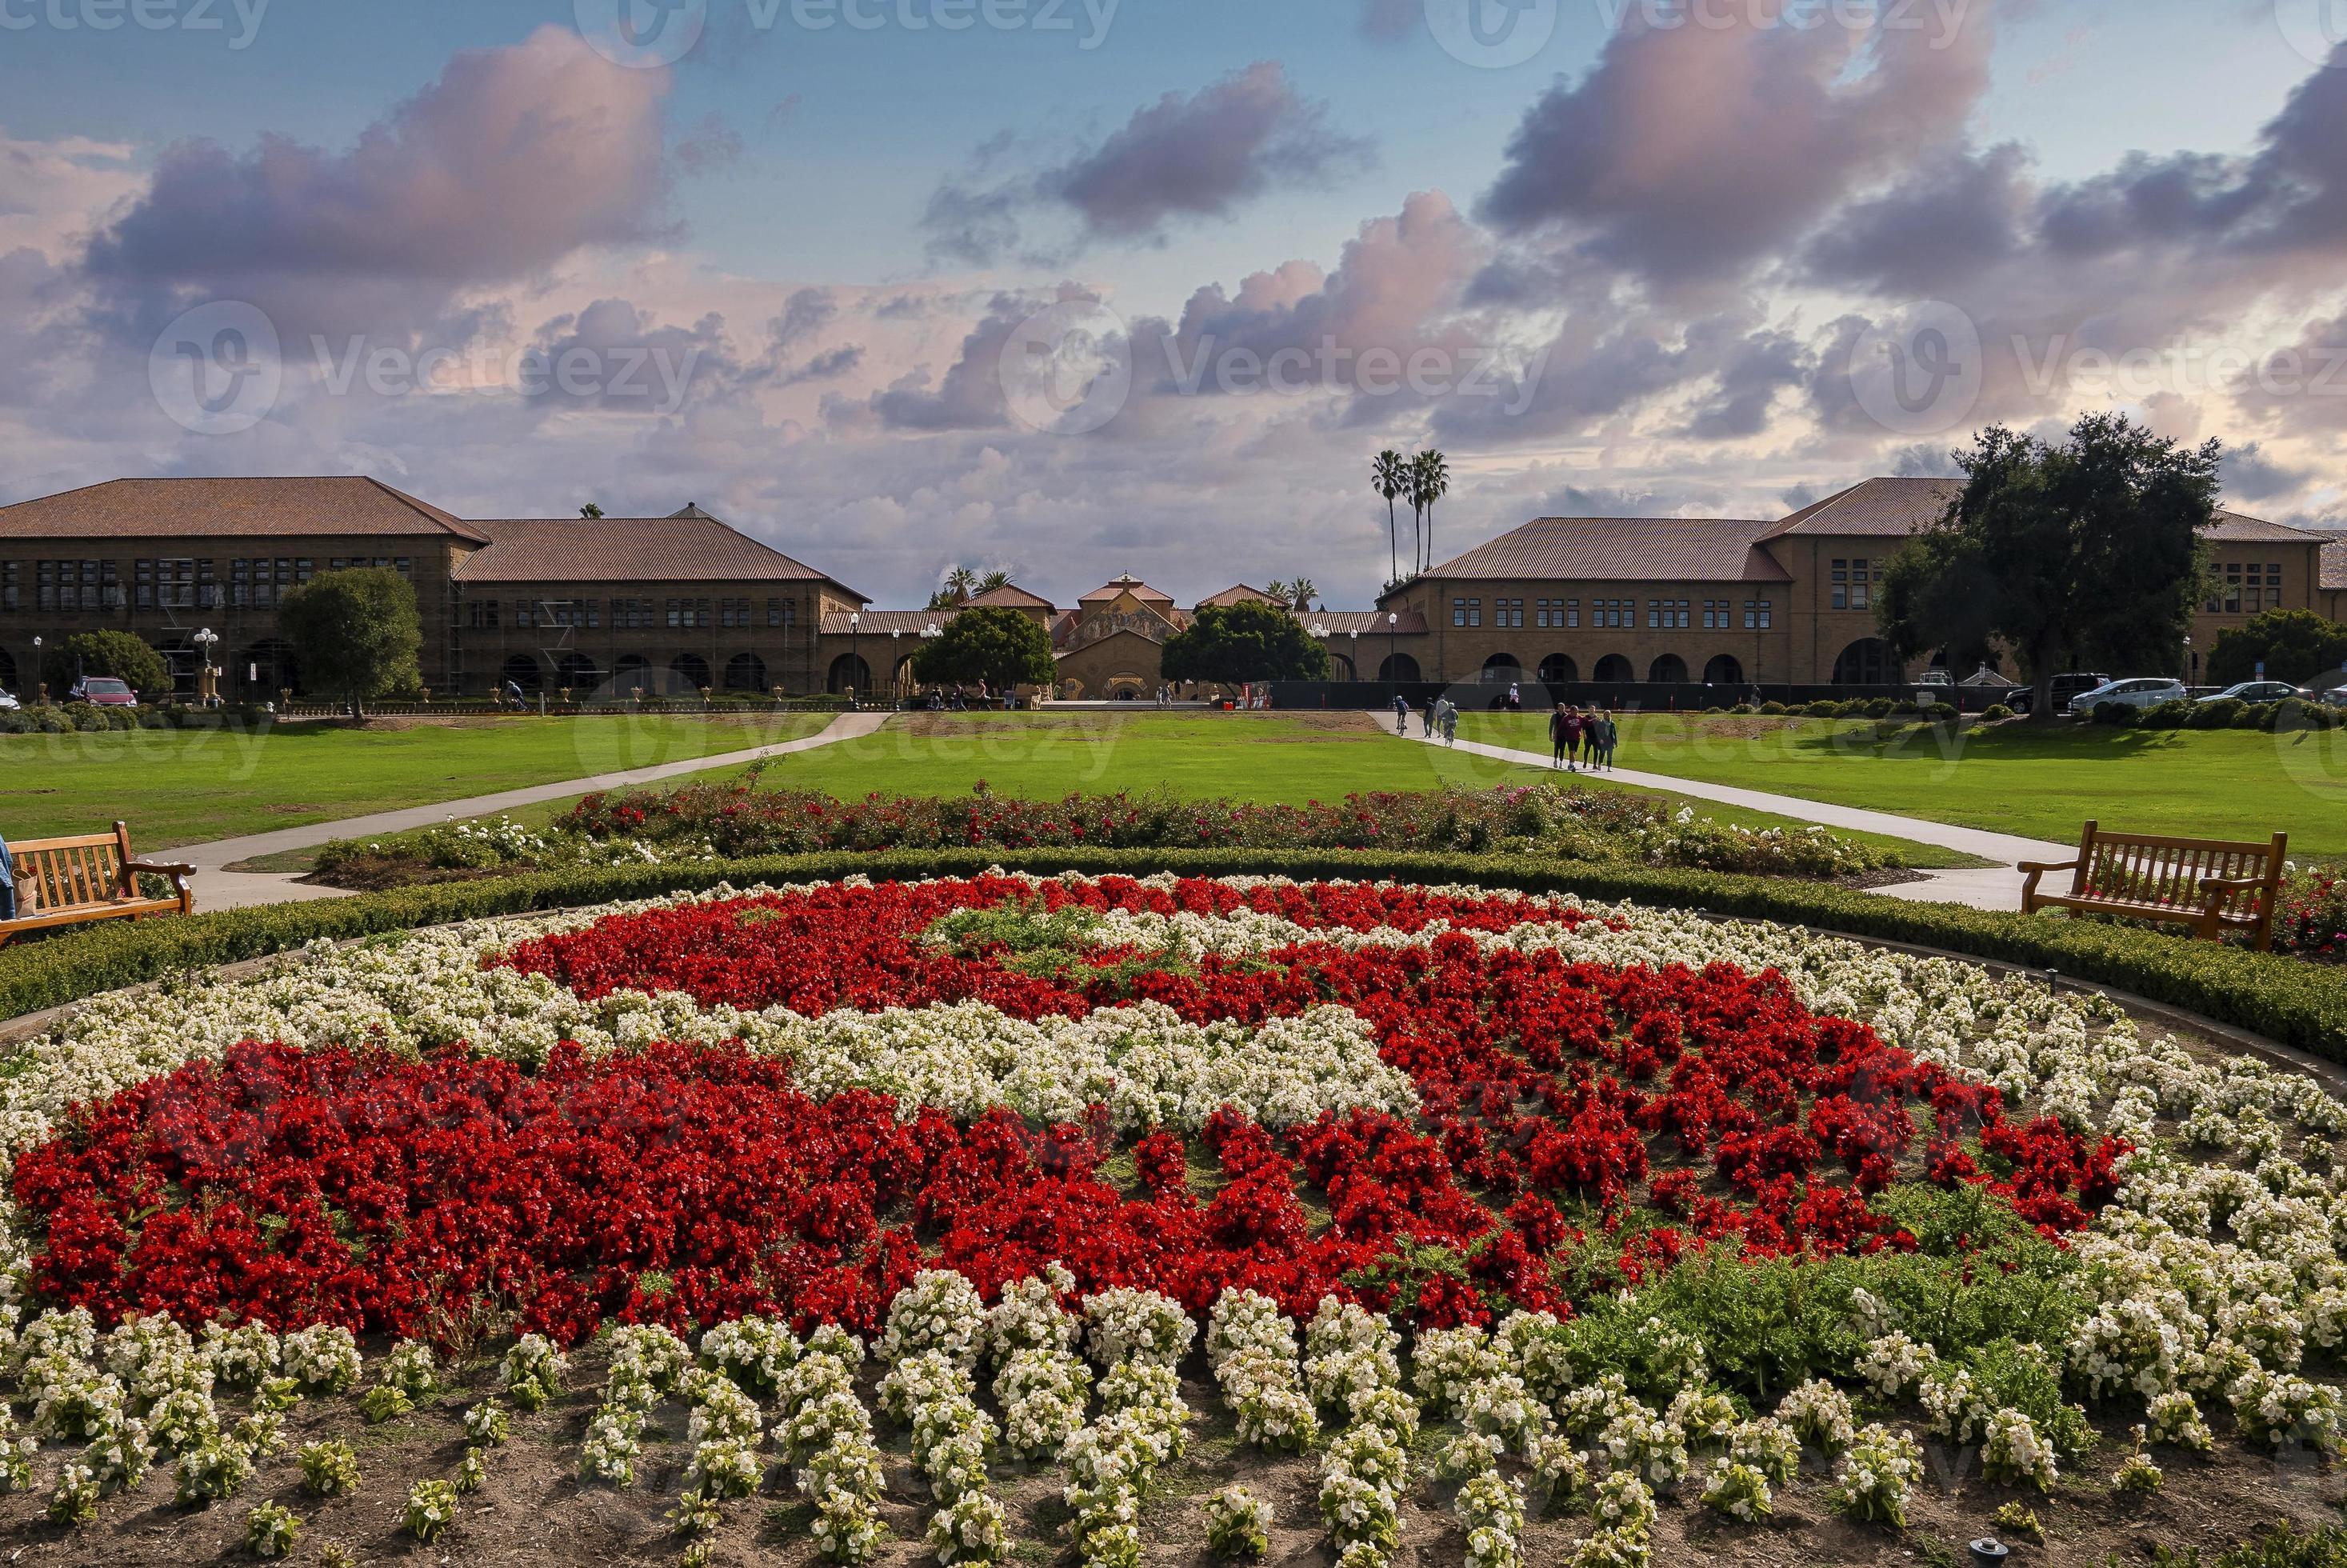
(1607, 1184)
(737, 820)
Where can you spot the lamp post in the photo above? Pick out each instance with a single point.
(894, 676)
(1393, 649)
(207, 693)
(2192, 660)
(854, 658)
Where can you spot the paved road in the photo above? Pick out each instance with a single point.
(220, 888)
(1983, 888)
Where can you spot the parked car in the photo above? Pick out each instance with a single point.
(2022, 699)
(103, 691)
(2140, 691)
(2336, 696)
(2255, 691)
(7, 704)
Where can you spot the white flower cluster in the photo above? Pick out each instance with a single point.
(1112, 1463)
(1251, 1346)
(1126, 1324)
(826, 1432)
(321, 1358)
(941, 1311)
(530, 1374)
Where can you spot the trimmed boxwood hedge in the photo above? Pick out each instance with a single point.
(2284, 999)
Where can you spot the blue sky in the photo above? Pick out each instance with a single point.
(1687, 370)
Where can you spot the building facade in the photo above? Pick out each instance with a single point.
(608, 606)
(602, 606)
(1733, 602)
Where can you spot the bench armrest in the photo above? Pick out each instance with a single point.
(2231, 883)
(2039, 867)
(161, 868)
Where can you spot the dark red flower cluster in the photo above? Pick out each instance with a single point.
(681, 1184)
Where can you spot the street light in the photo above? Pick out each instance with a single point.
(206, 696)
(2194, 658)
(894, 669)
(41, 684)
(854, 657)
(1356, 656)
(1393, 649)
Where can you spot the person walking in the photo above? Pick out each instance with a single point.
(1427, 720)
(1557, 729)
(1516, 698)
(1606, 735)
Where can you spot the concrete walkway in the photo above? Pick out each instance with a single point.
(218, 887)
(1983, 888)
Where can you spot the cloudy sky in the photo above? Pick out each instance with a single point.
(1081, 286)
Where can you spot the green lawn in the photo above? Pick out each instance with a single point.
(2041, 781)
(185, 786)
(1249, 757)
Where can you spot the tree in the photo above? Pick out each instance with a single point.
(992, 643)
(590, 510)
(1389, 477)
(117, 654)
(355, 634)
(1430, 481)
(2294, 645)
(1249, 640)
(1300, 594)
(2086, 553)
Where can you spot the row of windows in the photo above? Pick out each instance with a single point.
(631, 614)
(2248, 587)
(170, 583)
(1564, 613)
(1852, 582)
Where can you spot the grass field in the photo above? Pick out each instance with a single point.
(1277, 757)
(2043, 781)
(185, 786)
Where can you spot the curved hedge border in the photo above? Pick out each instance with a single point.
(2284, 999)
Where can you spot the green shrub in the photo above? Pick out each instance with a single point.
(1772, 708)
(2118, 714)
(1995, 713)
(2220, 714)
(2255, 716)
(1880, 708)
(2173, 714)
(1823, 708)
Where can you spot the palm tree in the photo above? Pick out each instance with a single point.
(998, 577)
(1389, 477)
(961, 582)
(1300, 593)
(1430, 482)
(1277, 590)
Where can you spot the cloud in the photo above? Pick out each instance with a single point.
(710, 145)
(512, 160)
(806, 312)
(1390, 18)
(1691, 153)
(1201, 155)
(2249, 475)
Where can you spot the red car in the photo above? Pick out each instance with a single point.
(103, 691)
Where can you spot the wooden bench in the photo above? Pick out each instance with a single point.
(2213, 885)
(69, 881)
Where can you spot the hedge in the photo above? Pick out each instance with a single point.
(2285, 999)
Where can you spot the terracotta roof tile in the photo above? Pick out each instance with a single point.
(1873, 508)
(2334, 563)
(1237, 593)
(241, 508)
(1622, 550)
(881, 622)
(1017, 598)
(2232, 527)
(1126, 582)
(1343, 622)
(682, 548)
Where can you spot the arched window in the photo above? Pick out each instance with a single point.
(689, 668)
(577, 673)
(1724, 669)
(1556, 670)
(1614, 669)
(1669, 670)
(746, 672)
(1866, 662)
(849, 669)
(521, 669)
(1501, 667)
(7, 672)
(1398, 667)
(630, 671)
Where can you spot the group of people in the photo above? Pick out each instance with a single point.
(1440, 714)
(1575, 737)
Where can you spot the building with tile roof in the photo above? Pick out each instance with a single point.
(1735, 602)
(595, 605)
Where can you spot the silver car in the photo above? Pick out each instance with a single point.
(2138, 691)
(7, 704)
(2255, 691)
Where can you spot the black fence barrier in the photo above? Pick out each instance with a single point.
(1621, 696)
